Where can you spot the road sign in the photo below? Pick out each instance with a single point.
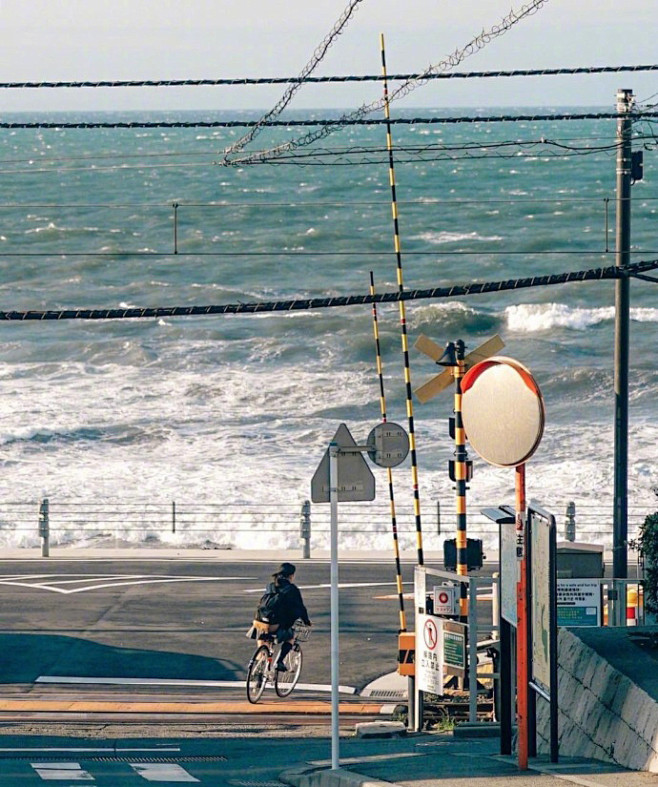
(356, 482)
(429, 654)
(388, 445)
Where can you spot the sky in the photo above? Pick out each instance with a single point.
(77, 40)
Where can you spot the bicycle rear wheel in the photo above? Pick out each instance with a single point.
(257, 674)
(285, 682)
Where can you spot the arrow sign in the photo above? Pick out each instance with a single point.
(442, 380)
(356, 482)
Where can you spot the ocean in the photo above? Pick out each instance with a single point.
(236, 411)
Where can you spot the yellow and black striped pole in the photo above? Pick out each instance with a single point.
(403, 316)
(389, 471)
(461, 474)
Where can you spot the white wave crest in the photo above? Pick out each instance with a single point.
(537, 317)
(438, 238)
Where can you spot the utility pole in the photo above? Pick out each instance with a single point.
(622, 302)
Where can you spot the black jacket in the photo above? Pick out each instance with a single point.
(292, 606)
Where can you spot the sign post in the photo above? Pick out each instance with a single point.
(503, 414)
(335, 662)
(522, 640)
(343, 475)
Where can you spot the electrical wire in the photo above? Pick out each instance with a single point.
(283, 102)
(241, 81)
(637, 270)
(474, 45)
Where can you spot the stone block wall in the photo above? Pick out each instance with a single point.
(602, 713)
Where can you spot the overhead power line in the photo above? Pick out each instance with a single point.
(638, 270)
(321, 122)
(241, 81)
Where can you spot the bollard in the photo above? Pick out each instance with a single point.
(632, 605)
(44, 527)
(305, 529)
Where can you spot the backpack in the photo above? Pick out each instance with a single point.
(270, 604)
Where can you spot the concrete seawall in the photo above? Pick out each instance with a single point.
(608, 696)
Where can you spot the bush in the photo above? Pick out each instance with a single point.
(648, 543)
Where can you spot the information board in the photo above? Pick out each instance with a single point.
(540, 610)
(578, 602)
(454, 647)
(509, 573)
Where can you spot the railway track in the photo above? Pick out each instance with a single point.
(27, 703)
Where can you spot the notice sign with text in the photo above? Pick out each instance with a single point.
(454, 648)
(578, 602)
(429, 654)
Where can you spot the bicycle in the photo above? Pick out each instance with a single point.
(261, 669)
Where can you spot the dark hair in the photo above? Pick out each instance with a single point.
(284, 571)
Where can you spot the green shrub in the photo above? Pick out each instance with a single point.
(648, 543)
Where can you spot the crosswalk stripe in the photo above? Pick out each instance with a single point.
(162, 772)
(62, 771)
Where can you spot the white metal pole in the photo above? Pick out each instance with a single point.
(333, 501)
(472, 649)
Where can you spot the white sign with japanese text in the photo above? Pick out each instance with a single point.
(429, 654)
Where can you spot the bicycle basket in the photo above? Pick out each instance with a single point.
(302, 631)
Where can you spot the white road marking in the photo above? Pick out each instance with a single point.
(98, 582)
(62, 771)
(225, 684)
(162, 772)
(87, 749)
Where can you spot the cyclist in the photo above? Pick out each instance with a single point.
(280, 607)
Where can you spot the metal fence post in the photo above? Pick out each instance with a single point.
(44, 527)
(305, 529)
(570, 522)
(173, 516)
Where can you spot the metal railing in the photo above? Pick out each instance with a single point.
(298, 525)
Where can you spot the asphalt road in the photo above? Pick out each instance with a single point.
(184, 619)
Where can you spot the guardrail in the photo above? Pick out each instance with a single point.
(298, 525)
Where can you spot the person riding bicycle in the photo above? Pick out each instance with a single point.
(280, 607)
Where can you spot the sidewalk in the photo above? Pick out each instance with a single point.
(469, 754)
(445, 760)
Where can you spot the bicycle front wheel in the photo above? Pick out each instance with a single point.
(257, 674)
(285, 682)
